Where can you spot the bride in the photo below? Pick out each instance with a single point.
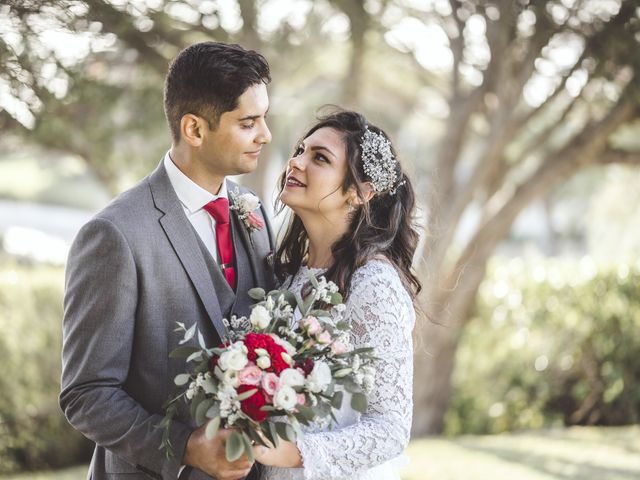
(352, 222)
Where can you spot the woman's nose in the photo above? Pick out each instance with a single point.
(296, 162)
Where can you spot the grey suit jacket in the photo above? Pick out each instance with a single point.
(134, 270)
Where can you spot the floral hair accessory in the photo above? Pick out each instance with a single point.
(245, 205)
(379, 162)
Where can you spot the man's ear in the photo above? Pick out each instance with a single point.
(191, 129)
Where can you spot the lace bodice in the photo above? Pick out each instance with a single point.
(361, 446)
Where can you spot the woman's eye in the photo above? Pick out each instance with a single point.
(299, 151)
(322, 158)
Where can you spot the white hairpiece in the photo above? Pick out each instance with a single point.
(379, 162)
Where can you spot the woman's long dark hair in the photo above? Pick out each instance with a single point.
(382, 227)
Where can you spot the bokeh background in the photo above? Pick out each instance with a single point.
(519, 122)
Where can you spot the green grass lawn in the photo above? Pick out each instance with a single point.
(570, 454)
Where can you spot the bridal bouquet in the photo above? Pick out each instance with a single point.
(273, 373)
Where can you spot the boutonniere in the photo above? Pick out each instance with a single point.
(245, 206)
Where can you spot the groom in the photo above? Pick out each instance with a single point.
(170, 249)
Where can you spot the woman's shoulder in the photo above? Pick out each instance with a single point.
(377, 271)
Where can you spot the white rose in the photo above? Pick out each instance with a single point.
(291, 378)
(290, 349)
(249, 201)
(233, 359)
(285, 398)
(260, 317)
(319, 378)
(263, 362)
(231, 378)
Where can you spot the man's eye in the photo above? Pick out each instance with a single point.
(248, 125)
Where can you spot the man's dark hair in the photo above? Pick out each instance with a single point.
(206, 79)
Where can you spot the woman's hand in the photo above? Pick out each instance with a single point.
(286, 455)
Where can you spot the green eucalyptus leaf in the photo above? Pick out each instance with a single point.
(182, 379)
(201, 411)
(257, 294)
(285, 431)
(234, 446)
(247, 446)
(247, 394)
(212, 428)
(183, 351)
(336, 400)
(359, 402)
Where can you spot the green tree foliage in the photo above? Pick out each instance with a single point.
(551, 345)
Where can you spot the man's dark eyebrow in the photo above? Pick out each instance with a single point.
(252, 117)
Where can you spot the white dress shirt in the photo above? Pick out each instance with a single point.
(193, 198)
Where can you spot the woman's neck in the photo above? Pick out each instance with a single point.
(322, 234)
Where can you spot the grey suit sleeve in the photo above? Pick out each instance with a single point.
(98, 331)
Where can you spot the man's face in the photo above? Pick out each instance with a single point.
(234, 146)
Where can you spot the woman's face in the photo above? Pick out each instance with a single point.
(315, 175)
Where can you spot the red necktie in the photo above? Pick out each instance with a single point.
(219, 210)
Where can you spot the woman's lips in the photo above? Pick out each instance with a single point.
(294, 182)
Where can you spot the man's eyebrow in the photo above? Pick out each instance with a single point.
(252, 117)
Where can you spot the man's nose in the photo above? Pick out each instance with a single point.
(265, 135)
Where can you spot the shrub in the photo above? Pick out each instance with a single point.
(33, 432)
(551, 344)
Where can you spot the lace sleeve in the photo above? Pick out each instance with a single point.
(382, 316)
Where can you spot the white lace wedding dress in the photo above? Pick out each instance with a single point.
(369, 446)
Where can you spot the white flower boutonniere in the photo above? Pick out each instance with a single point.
(245, 205)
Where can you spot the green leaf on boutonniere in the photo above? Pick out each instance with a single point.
(336, 298)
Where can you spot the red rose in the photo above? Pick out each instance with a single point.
(251, 406)
(264, 341)
(307, 366)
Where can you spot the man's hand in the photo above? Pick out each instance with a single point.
(208, 455)
(285, 455)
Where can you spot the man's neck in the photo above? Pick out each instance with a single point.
(190, 165)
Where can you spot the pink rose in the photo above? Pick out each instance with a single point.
(338, 348)
(255, 222)
(270, 383)
(301, 398)
(250, 375)
(311, 325)
(324, 338)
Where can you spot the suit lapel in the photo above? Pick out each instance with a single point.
(183, 239)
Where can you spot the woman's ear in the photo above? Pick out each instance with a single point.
(368, 191)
